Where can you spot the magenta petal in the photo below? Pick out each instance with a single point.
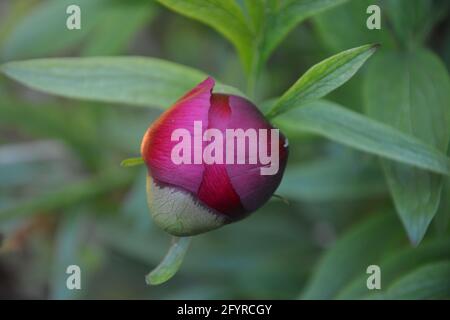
(253, 188)
(216, 189)
(157, 146)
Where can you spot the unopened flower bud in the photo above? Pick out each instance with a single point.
(212, 159)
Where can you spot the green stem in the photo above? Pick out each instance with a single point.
(253, 75)
(251, 81)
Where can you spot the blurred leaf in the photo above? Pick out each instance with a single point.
(16, 174)
(345, 26)
(357, 131)
(67, 252)
(323, 78)
(113, 33)
(50, 120)
(74, 246)
(428, 282)
(283, 16)
(143, 244)
(44, 31)
(223, 15)
(332, 179)
(411, 92)
(397, 265)
(132, 80)
(446, 48)
(442, 218)
(35, 165)
(271, 21)
(67, 196)
(171, 262)
(135, 206)
(362, 246)
(441, 10)
(410, 19)
(234, 252)
(17, 10)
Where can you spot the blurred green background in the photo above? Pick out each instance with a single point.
(65, 200)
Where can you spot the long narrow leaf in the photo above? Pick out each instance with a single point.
(355, 130)
(132, 80)
(323, 78)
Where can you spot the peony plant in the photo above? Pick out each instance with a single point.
(187, 197)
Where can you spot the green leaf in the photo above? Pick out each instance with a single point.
(428, 282)
(67, 252)
(323, 78)
(131, 80)
(225, 16)
(132, 162)
(446, 48)
(272, 20)
(103, 28)
(442, 219)
(283, 16)
(134, 205)
(113, 33)
(345, 26)
(67, 196)
(332, 179)
(44, 31)
(357, 131)
(410, 19)
(411, 92)
(16, 12)
(171, 262)
(354, 252)
(397, 265)
(50, 120)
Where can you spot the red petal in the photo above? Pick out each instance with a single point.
(253, 188)
(157, 146)
(216, 190)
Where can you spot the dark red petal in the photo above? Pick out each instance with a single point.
(216, 190)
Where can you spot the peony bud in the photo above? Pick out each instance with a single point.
(212, 159)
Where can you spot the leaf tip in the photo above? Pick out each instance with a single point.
(150, 281)
(171, 262)
(415, 239)
(131, 162)
(416, 232)
(282, 199)
(376, 46)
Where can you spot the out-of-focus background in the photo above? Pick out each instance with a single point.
(65, 200)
